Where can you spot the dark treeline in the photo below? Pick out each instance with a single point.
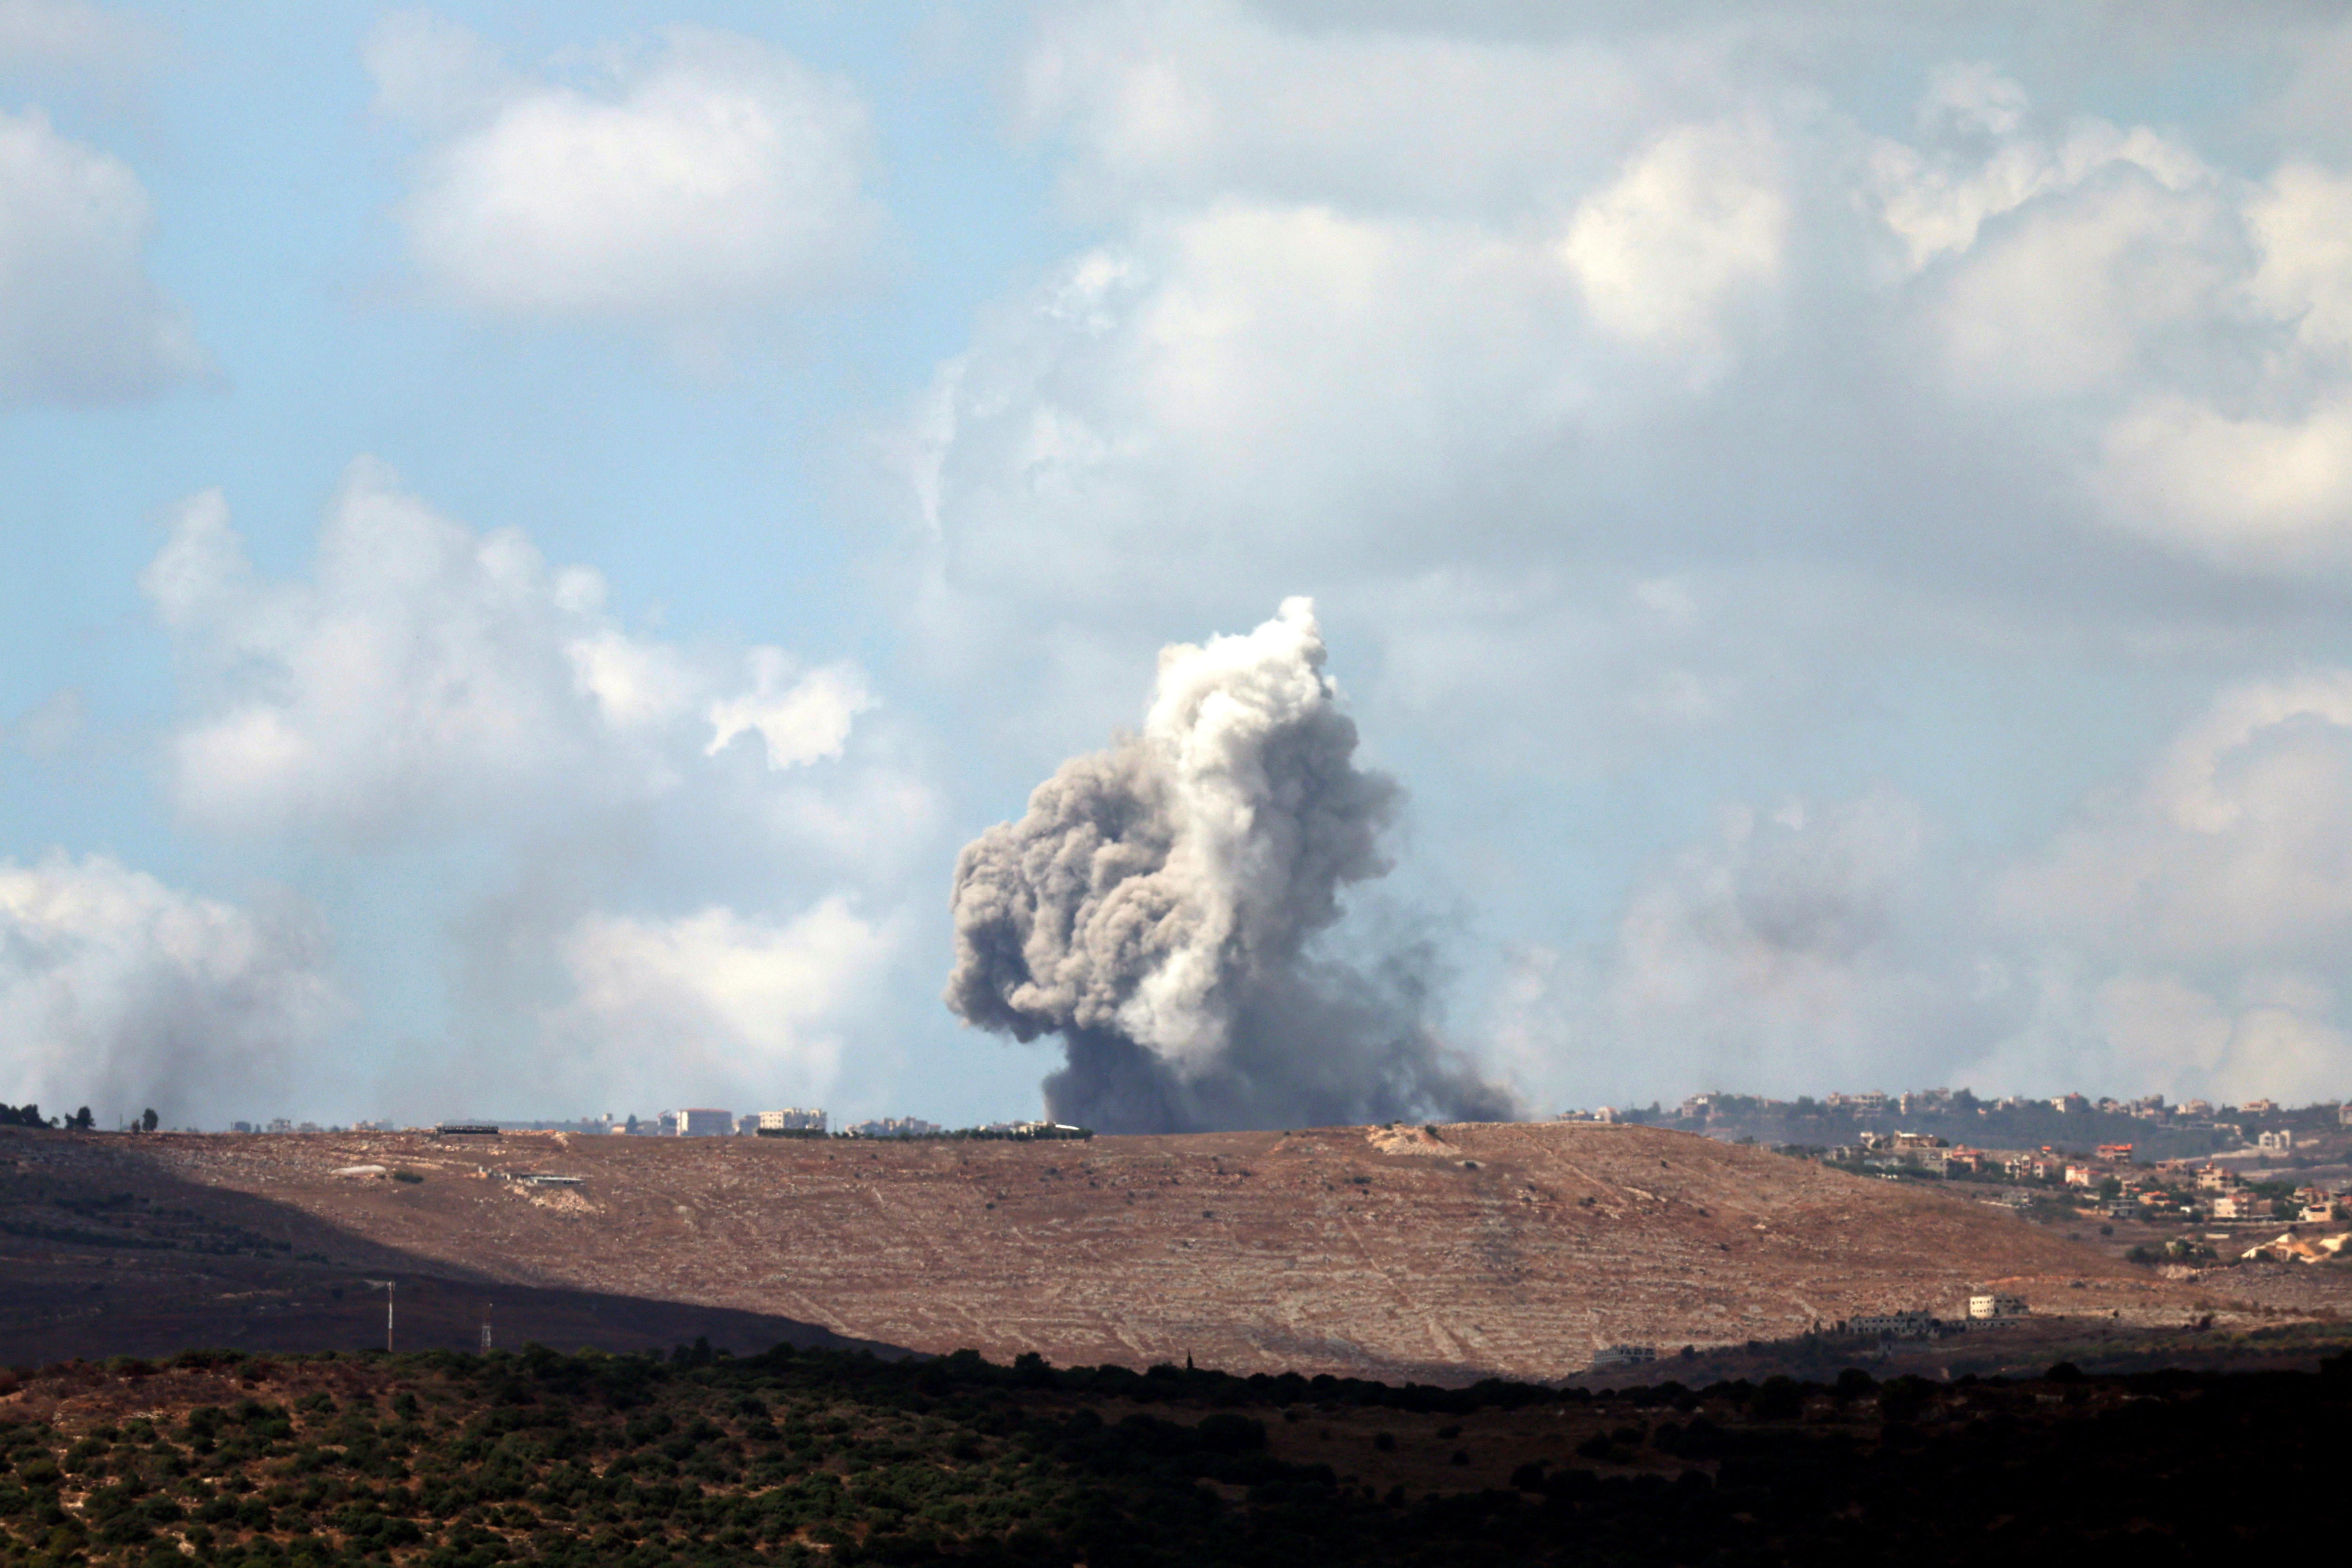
(802, 1457)
(29, 1115)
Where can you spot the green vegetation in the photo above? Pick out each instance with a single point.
(454, 1461)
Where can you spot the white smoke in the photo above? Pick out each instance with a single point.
(120, 991)
(1156, 905)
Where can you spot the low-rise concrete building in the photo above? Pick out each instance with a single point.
(1893, 1325)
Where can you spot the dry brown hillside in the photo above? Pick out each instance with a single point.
(1507, 1248)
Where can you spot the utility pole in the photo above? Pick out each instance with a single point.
(386, 1287)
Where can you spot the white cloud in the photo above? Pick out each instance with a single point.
(479, 724)
(2068, 297)
(1980, 161)
(2183, 937)
(432, 680)
(2250, 490)
(2237, 847)
(713, 179)
(1694, 221)
(802, 720)
(121, 993)
(2301, 219)
(80, 320)
(1196, 102)
(714, 1004)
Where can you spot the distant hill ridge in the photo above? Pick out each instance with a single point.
(1441, 1254)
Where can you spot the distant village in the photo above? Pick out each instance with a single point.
(2193, 1186)
(2260, 1164)
(707, 1122)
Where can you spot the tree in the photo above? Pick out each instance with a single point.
(82, 1120)
(147, 1122)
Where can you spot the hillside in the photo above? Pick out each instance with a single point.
(1514, 1249)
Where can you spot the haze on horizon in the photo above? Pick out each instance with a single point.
(536, 538)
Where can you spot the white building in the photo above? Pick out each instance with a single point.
(1996, 1304)
(705, 1123)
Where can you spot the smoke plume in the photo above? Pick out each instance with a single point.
(1157, 905)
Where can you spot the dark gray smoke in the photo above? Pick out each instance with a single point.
(1156, 905)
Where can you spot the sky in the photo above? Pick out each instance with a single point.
(534, 536)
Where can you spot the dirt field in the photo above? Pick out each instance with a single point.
(1512, 1249)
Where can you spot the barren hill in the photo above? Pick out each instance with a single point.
(1507, 1248)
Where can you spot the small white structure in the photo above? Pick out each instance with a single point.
(1995, 1304)
(705, 1123)
(1625, 1355)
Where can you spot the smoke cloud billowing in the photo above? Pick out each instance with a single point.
(1156, 907)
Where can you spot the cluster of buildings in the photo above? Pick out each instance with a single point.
(712, 1121)
(2164, 1191)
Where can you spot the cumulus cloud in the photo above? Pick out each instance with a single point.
(709, 180)
(122, 992)
(81, 322)
(430, 679)
(2248, 490)
(1156, 905)
(448, 707)
(800, 717)
(2182, 936)
(2238, 845)
(2202, 917)
(1697, 218)
(714, 1004)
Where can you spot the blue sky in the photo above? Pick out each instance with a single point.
(536, 533)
